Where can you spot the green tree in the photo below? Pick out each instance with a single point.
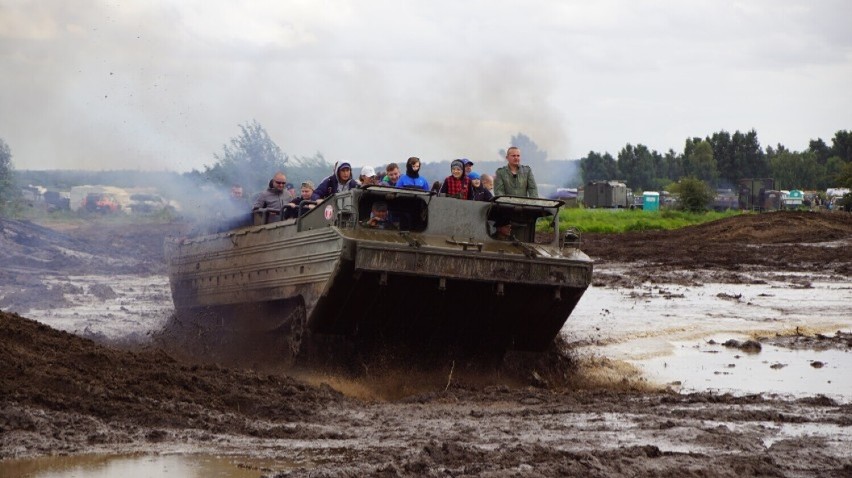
(723, 153)
(249, 160)
(10, 193)
(844, 176)
(315, 168)
(749, 160)
(673, 167)
(637, 166)
(701, 164)
(841, 145)
(834, 168)
(597, 167)
(695, 194)
(821, 150)
(796, 170)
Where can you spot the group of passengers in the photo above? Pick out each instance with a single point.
(513, 179)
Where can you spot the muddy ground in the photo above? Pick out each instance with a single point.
(65, 394)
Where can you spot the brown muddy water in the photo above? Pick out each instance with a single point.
(669, 332)
(674, 334)
(128, 466)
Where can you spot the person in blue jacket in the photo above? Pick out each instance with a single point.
(338, 182)
(412, 175)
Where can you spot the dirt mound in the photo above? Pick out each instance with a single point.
(30, 253)
(92, 247)
(770, 228)
(44, 368)
(788, 240)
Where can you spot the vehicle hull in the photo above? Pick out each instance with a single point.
(419, 291)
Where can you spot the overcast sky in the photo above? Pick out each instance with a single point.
(156, 85)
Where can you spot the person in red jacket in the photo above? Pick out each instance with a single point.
(457, 185)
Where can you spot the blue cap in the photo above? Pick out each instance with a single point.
(466, 162)
(473, 175)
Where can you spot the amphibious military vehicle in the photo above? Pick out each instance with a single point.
(435, 277)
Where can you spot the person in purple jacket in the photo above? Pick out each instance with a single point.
(338, 182)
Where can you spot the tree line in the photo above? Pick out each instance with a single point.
(722, 159)
(719, 160)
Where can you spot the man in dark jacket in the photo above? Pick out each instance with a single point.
(340, 181)
(273, 197)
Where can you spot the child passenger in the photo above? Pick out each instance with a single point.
(412, 175)
(457, 185)
(479, 191)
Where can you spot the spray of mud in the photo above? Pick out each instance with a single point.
(387, 375)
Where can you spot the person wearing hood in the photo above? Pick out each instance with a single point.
(480, 193)
(457, 184)
(338, 182)
(412, 175)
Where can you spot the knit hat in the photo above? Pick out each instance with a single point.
(457, 163)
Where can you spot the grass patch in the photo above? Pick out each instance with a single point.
(614, 221)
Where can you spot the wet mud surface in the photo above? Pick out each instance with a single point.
(548, 415)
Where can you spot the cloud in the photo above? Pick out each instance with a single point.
(163, 84)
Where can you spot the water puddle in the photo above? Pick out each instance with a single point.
(706, 366)
(129, 466)
(665, 330)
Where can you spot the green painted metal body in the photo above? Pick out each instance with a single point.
(437, 277)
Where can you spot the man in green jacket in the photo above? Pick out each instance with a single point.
(514, 179)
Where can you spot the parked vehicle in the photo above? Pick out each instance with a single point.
(607, 194)
(146, 203)
(101, 202)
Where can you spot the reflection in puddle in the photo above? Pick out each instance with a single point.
(774, 370)
(664, 330)
(111, 466)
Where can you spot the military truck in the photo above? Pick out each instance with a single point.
(607, 194)
(436, 279)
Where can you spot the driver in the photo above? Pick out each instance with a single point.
(503, 229)
(379, 217)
